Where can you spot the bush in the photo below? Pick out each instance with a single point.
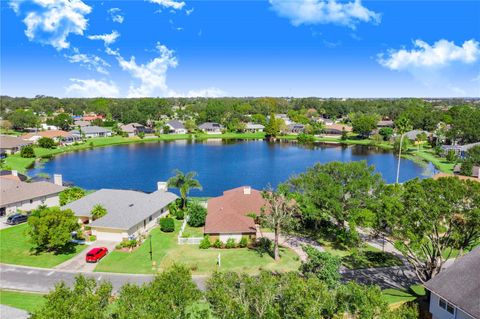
(305, 138)
(46, 142)
(128, 243)
(218, 244)
(205, 243)
(197, 215)
(92, 238)
(243, 242)
(167, 224)
(230, 243)
(180, 215)
(27, 151)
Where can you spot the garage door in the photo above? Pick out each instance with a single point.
(109, 236)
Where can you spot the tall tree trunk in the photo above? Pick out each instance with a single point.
(276, 255)
(399, 157)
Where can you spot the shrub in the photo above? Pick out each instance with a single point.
(205, 243)
(197, 215)
(243, 242)
(167, 224)
(180, 214)
(305, 138)
(218, 244)
(141, 135)
(46, 142)
(92, 238)
(230, 243)
(27, 151)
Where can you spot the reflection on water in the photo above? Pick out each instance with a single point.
(221, 164)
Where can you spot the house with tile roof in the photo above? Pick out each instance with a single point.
(11, 144)
(58, 136)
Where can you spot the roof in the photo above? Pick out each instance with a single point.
(15, 191)
(91, 130)
(130, 128)
(176, 124)
(253, 126)
(49, 134)
(440, 175)
(13, 175)
(126, 208)
(385, 123)
(412, 135)
(228, 213)
(459, 284)
(210, 126)
(338, 127)
(463, 148)
(8, 142)
(82, 123)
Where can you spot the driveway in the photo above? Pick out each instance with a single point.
(295, 243)
(7, 312)
(78, 263)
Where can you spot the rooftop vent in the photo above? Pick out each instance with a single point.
(247, 190)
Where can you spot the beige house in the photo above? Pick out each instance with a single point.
(129, 213)
(11, 144)
(16, 195)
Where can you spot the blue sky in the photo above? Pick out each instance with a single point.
(325, 48)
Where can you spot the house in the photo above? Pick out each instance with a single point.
(412, 135)
(211, 128)
(385, 123)
(253, 128)
(325, 121)
(132, 129)
(129, 213)
(92, 117)
(58, 136)
(11, 144)
(92, 131)
(81, 123)
(13, 175)
(285, 118)
(455, 291)
(337, 129)
(176, 127)
(227, 215)
(18, 195)
(295, 128)
(47, 127)
(460, 150)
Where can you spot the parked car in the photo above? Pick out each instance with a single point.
(95, 254)
(16, 219)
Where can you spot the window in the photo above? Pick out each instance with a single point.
(31, 201)
(150, 218)
(446, 306)
(450, 309)
(442, 303)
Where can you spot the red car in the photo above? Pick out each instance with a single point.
(95, 254)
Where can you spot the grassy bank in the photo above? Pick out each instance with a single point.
(22, 300)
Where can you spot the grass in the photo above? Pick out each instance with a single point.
(192, 231)
(166, 252)
(15, 249)
(400, 296)
(18, 163)
(22, 300)
(428, 155)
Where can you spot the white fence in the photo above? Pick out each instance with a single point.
(187, 240)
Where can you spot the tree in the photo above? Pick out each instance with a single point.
(386, 132)
(21, 119)
(431, 218)
(98, 211)
(86, 299)
(63, 121)
(421, 138)
(277, 214)
(184, 183)
(71, 194)
(190, 125)
(46, 142)
(50, 228)
(323, 265)
(272, 128)
(197, 214)
(27, 151)
(363, 124)
(403, 126)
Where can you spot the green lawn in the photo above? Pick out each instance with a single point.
(15, 249)
(428, 155)
(18, 163)
(166, 252)
(193, 231)
(22, 300)
(396, 296)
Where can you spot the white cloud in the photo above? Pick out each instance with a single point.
(52, 21)
(116, 15)
(107, 38)
(189, 11)
(152, 75)
(91, 62)
(169, 4)
(324, 12)
(209, 92)
(91, 88)
(441, 53)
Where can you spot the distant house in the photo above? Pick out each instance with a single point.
(211, 128)
(17, 195)
(385, 123)
(92, 131)
(337, 129)
(58, 136)
(455, 291)
(82, 123)
(129, 213)
(132, 129)
(227, 215)
(93, 117)
(412, 135)
(295, 128)
(253, 128)
(11, 144)
(176, 127)
(285, 118)
(460, 150)
(46, 127)
(325, 121)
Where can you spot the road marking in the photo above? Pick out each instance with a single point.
(30, 272)
(99, 278)
(50, 273)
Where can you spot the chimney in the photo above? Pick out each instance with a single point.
(15, 173)
(162, 186)
(57, 179)
(247, 190)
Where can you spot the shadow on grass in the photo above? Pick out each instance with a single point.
(69, 248)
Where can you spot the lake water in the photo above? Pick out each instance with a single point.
(220, 165)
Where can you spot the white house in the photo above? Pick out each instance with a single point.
(211, 128)
(176, 127)
(92, 131)
(455, 291)
(252, 127)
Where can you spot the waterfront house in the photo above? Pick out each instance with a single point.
(176, 127)
(132, 129)
(211, 128)
(227, 215)
(11, 144)
(412, 135)
(129, 213)
(59, 136)
(253, 128)
(17, 195)
(337, 129)
(284, 118)
(92, 131)
(295, 128)
(455, 291)
(460, 150)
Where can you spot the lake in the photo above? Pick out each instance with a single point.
(220, 165)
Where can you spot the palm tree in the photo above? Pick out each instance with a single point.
(184, 182)
(402, 126)
(98, 211)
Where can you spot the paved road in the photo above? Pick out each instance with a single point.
(386, 277)
(44, 280)
(78, 263)
(7, 312)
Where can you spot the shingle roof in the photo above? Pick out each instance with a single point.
(176, 124)
(412, 135)
(12, 191)
(459, 284)
(125, 208)
(91, 130)
(7, 142)
(210, 126)
(253, 126)
(228, 213)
